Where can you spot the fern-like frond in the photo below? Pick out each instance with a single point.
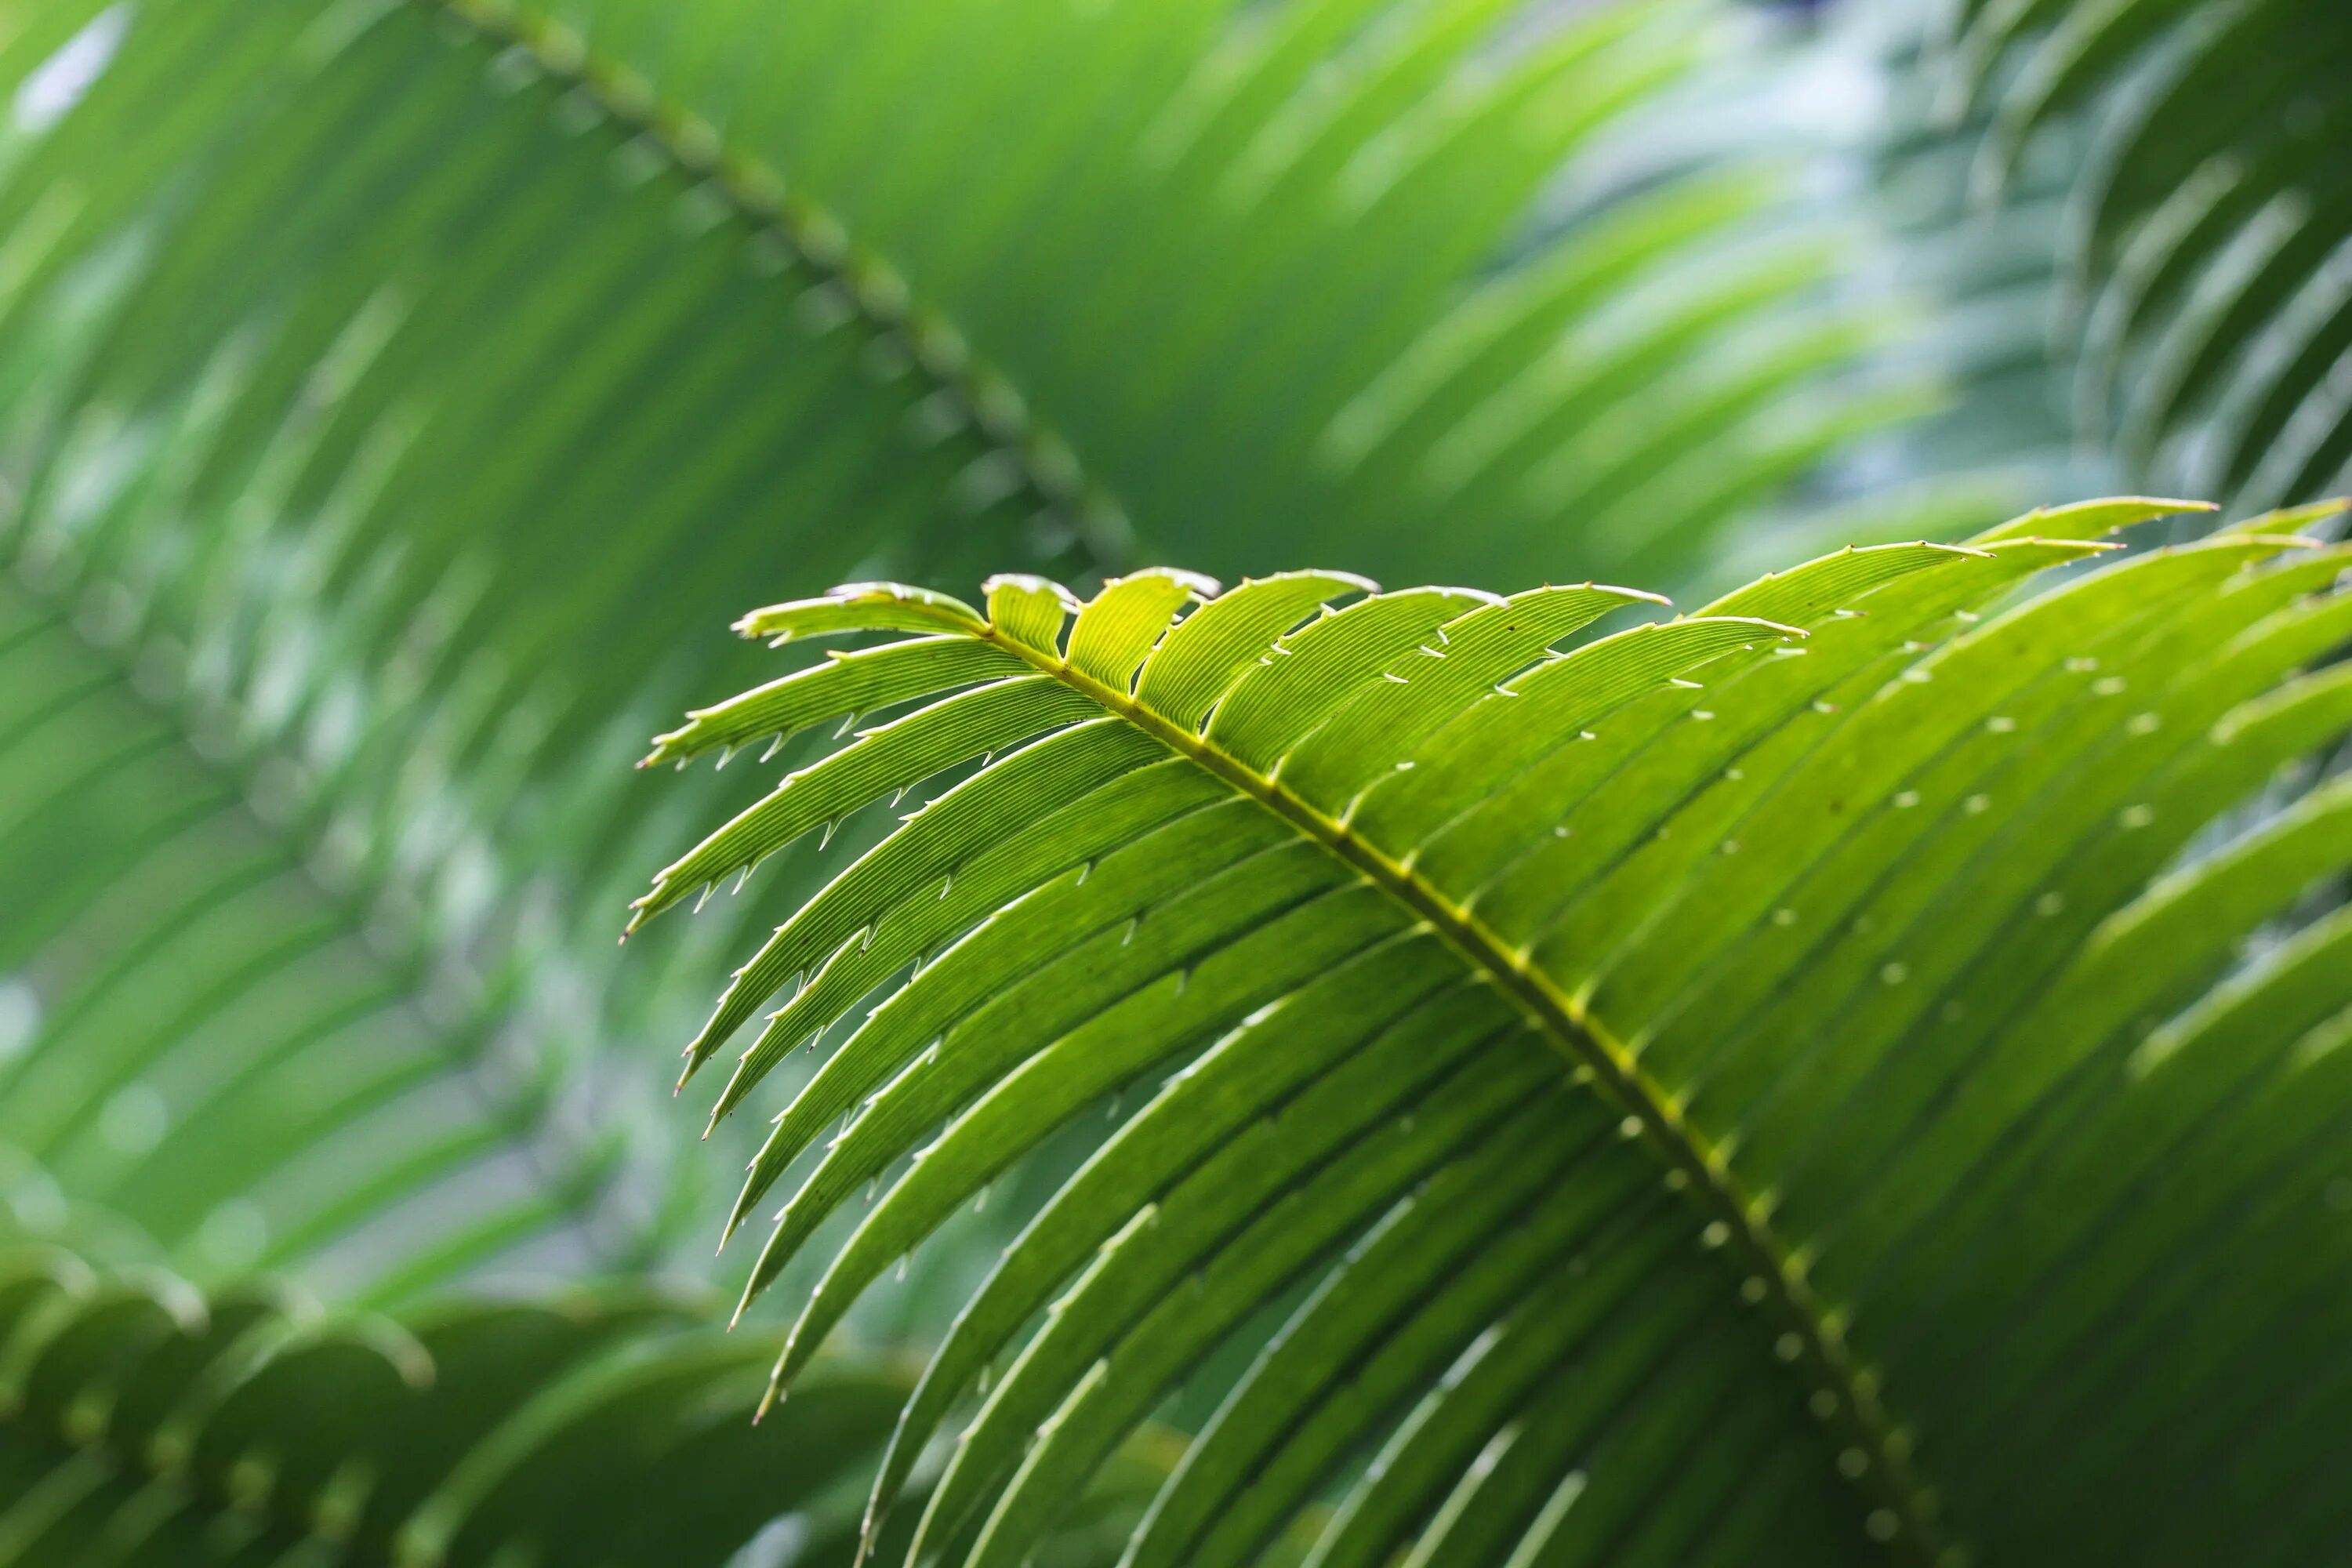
(2206, 253)
(252, 1022)
(1224, 273)
(385, 382)
(1702, 1080)
(142, 1422)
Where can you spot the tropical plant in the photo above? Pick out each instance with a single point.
(143, 1424)
(2153, 189)
(1821, 1077)
(146, 1424)
(382, 382)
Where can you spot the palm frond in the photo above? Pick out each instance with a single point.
(2205, 301)
(257, 1023)
(1261, 279)
(146, 1423)
(386, 380)
(1774, 1085)
(142, 1422)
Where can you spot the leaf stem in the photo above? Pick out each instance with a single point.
(757, 195)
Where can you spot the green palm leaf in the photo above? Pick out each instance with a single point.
(383, 382)
(142, 1422)
(251, 1023)
(148, 1424)
(1258, 279)
(2204, 311)
(1739, 1089)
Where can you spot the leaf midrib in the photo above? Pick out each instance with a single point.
(1696, 1164)
(752, 188)
(346, 909)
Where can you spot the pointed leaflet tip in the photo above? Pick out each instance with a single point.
(862, 606)
(1355, 581)
(2089, 518)
(2286, 521)
(696, 1054)
(727, 1232)
(1197, 584)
